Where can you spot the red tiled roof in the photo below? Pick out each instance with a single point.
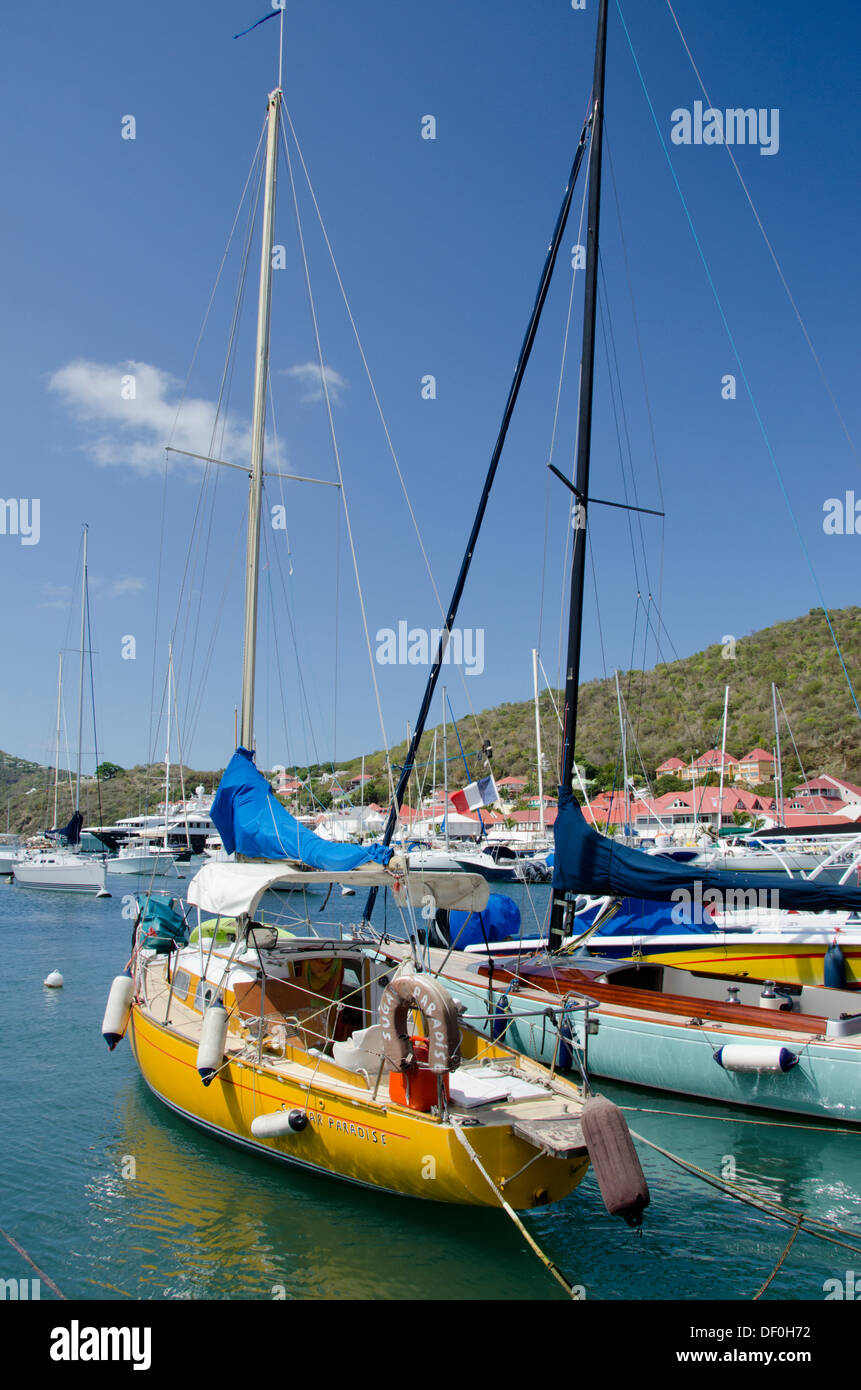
(760, 755)
(808, 804)
(712, 757)
(827, 780)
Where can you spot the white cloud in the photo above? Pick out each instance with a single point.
(129, 584)
(61, 595)
(309, 374)
(134, 431)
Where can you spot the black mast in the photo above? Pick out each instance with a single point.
(526, 349)
(561, 909)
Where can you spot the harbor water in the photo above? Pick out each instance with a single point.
(113, 1197)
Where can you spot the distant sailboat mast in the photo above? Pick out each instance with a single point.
(81, 677)
(538, 752)
(57, 744)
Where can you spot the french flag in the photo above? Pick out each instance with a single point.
(477, 794)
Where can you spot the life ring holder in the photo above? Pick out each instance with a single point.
(439, 1011)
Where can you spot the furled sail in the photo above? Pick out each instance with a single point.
(71, 833)
(586, 862)
(253, 823)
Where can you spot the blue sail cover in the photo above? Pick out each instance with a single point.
(586, 862)
(632, 917)
(252, 822)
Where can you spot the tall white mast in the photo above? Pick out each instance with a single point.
(445, 766)
(623, 726)
(778, 769)
(81, 679)
(261, 376)
(167, 750)
(722, 757)
(57, 749)
(538, 742)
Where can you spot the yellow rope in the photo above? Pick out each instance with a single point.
(789, 1246)
(510, 1212)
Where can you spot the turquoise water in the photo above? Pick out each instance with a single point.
(201, 1220)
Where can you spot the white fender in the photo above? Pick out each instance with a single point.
(752, 1057)
(213, 1036)
(278, 1123)
(118, 1010)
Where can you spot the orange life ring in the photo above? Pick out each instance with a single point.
(442, 1023)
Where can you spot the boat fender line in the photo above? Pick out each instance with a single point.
(751, 1057)
(278, 1123)
(435, 1004)
(118, 1009)
(213, 1036)
(611, 1150)
(834, 967)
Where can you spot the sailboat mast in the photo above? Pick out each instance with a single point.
(778, 769)
(538, 741)
(445, 766)
(167, 750)
(81, 678)
(623, 730)
(584, 423)
(57, 748)
(562, 909)
(258, 422)
(722, 758)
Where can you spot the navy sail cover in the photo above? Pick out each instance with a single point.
(252, 822)
(587, 862)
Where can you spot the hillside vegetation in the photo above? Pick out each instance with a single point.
(677, 708)
(674, 709)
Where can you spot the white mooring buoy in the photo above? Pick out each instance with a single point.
(54, 980)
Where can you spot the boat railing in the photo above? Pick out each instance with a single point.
(852, 847)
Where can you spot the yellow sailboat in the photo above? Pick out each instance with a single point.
(307, 1049)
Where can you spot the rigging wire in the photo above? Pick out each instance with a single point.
(152, 735)
(748, 388)
(337, 458)
(771, 250)
(374, 393)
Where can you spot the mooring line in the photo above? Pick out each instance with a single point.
(737, 1120)
(786, 1251)
(763, 1204)
(41, 1273)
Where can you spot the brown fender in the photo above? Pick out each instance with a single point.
(614, 1160)
(440, 1014)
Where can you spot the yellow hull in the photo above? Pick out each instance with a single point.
(375, 1144)
(798, 964)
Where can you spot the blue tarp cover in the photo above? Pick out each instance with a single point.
(499, 921)
(631, 917)
(252, 822)
(586, 862)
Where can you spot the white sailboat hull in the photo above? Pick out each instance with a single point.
(144, 863)
(62, 872)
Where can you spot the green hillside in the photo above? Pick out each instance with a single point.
(677, 708)
(674, 709)
(129, 793)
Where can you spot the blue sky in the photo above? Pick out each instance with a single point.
(110, 249)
